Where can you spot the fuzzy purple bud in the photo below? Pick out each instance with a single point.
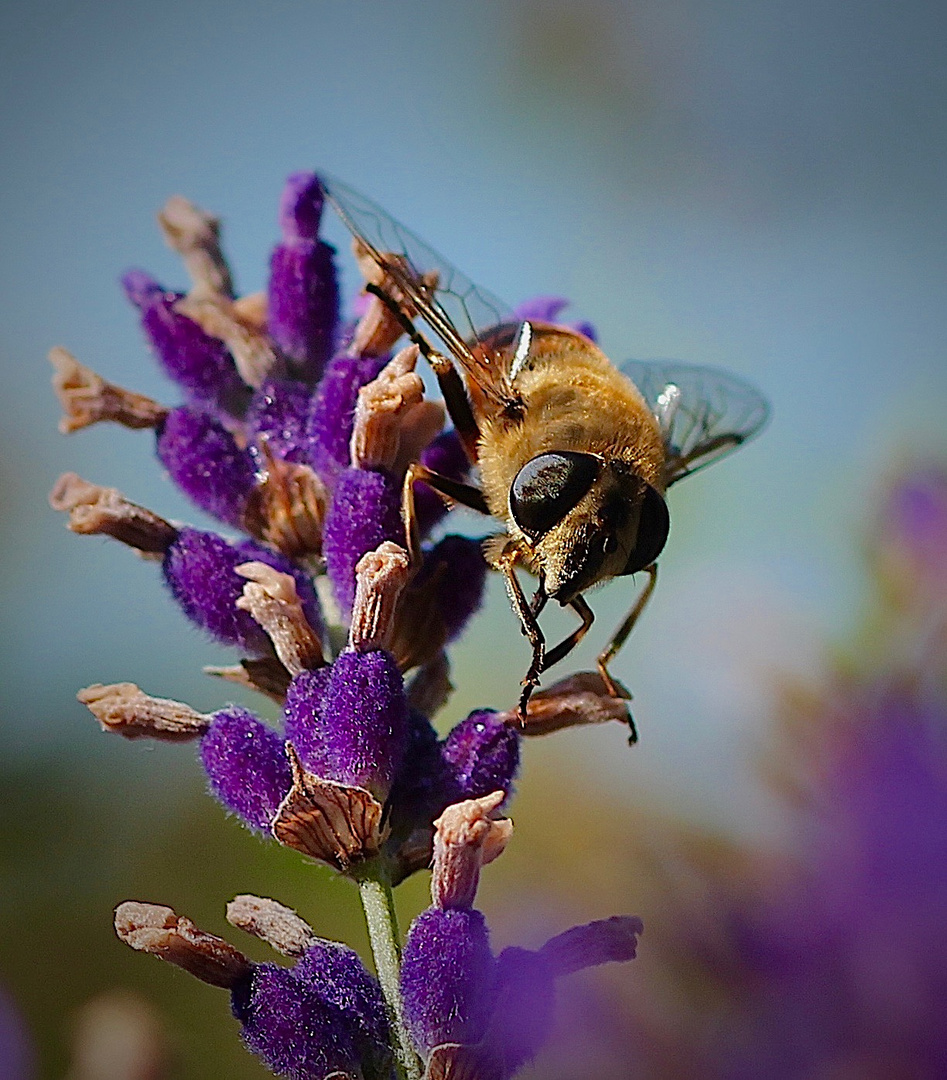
(461, 570)
(302, 710)
(303, 304)
(336, 973)
(357, 724)
(199, 568)
(364, 512)
(206, 463)
(482, 755)
(332, 413)
(445, 455)
(295, 1032)
(417, 793)
(277, 414)
(447, 978)
(246, 765)
(200, 364)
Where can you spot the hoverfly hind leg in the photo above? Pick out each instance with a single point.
(448, 379)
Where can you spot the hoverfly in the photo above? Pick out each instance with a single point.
(573, 454)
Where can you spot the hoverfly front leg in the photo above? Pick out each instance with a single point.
(562, 650)
(506, 564)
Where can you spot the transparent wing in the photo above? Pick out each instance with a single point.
(458, 313)
(704, 413)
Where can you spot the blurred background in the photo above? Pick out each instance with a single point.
(759, 187)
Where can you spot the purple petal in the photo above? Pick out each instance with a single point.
(204, 460)
(332, 413)
(201, 365)
(295, 1032)
(365, 511)
(605, 941)
(417, 793)
(246, 765)
(461, 570)
(482, 755)
(447, 978)
(541, 308)
(303, 303)
(360, 731)
(547, 309)
(16, 1050)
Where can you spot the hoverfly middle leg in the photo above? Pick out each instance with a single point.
(452, 490)
(585, 613)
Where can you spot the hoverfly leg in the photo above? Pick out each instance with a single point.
(528, 624)
(457, 403)
(585, 613)
(451, 490)
(448, 378)
(621, 636)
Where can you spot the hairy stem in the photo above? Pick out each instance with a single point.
(379, 906)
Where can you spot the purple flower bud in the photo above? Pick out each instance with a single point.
(303, 305)
(295, 1032)
(447, 978)
(199, 569)
(246, 765)
(359, 732)
(302, 725)
(278, 414)
(198, 363)
(482, 754)
(336, 974)
(364, 512)
(417, 793)
(445, 455)
(204, 460)
(462, 572)
(332, 413)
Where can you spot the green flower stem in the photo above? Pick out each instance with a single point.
(379, 905)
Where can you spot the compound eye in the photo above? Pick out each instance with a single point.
(548, 487)
(653, 526)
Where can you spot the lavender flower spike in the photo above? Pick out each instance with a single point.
(206, 463)
(481, 754)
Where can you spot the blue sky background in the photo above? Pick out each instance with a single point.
(758, 188)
